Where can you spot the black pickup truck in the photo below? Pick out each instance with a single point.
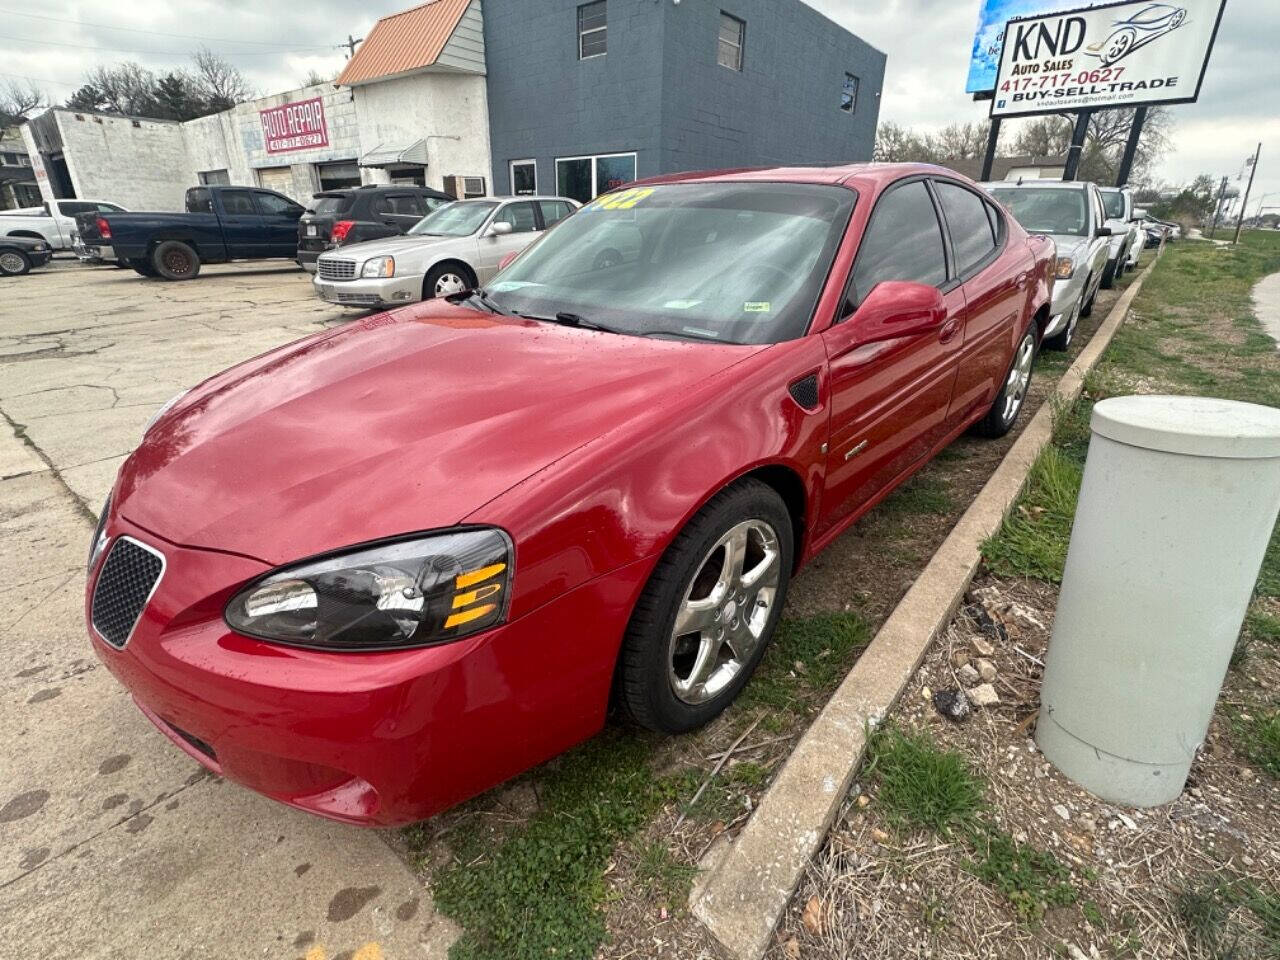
(221, 224)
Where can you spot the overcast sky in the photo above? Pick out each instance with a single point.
(927, 41)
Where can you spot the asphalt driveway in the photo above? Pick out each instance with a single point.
(112, 842)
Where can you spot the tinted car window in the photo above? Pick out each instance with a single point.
(519, 215)
(553, 211)
(238, 203)
(1113, 201)
(199, 200)
(70, 208)
(903, 242)
(406, 204)
(971, 236)
(274, 206)
(328, 206)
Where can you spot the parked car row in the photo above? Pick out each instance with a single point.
(54, 223)
(1098, 235)
(596, 473)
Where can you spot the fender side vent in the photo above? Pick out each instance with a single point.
(805, 392)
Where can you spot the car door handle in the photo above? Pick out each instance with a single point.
(949, 330)
(1022, 281)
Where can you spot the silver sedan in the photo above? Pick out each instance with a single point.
(455, 248)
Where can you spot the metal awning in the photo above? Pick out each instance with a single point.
(390, 154)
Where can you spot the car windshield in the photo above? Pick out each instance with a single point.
(732, 262)
(1046, 209)
(1113, 201)
(458, 219)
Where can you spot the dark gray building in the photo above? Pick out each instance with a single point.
(584, 96)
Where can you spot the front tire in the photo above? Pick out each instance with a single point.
(1109, 274)
(1013, 392)
(175, 260)
(14, 263)
(709, 610)
(447, 278)
(1062, 339)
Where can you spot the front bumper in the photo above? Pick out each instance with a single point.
(371, 292)
(373, 739)
(1066, 294)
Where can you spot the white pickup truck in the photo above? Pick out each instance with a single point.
(54, 222)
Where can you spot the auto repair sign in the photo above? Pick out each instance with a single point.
(1117, 55)
(294, 126)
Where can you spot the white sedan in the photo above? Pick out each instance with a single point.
(455, 248)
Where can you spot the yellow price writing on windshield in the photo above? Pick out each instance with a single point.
(623, 200)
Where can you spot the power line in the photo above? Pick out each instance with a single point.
(145, 53)
(23, 76)
(159, 33)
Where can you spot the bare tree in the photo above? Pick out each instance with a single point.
(958, 141)
(314, 78)
(17, 104)
(222, 84)
(126, 88)
(1105, 140)
(961, 141)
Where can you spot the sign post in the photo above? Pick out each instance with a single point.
(1253, 168)
(1077, 144)
(1131, 146)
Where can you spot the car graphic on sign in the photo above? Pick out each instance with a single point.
(1149, 23)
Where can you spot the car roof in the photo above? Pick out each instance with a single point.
(856, 176)
(366, 188)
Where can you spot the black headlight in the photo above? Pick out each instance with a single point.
(409, 592)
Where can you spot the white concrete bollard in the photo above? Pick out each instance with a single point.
(1179, 500)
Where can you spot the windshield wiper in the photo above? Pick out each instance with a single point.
(567, 319)
(477, 294)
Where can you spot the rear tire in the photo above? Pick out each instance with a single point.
(14, 263)
(1012, 396)
(725, 575)
(1087, 309)
(175, 260)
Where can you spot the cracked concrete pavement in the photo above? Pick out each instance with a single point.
(113, 843)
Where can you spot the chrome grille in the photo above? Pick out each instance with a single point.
(128, 579)
(333, 269)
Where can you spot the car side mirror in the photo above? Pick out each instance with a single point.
(1104, 232)
(897, 308)
(1139, 213)
(506, 261)
(499, 229)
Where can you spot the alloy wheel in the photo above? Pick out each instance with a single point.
(449, 283)
(725, 609)
(11, 263)
(1015, 388)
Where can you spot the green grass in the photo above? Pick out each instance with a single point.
(1263, 628)
(1033, 540)
(662, 876)
(823, 645)
(921, 785)
(922, 494)
(1031, 880)
(1258, 738)
(540, 892)
(1230, 918)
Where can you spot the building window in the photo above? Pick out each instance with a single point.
(584, 178)
(729, 48)
(524, 177)
(215, 177)
(849, 93)
(592, 25)
(338, 175)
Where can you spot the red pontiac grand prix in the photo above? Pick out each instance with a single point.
(379, 570)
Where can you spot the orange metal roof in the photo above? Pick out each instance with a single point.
(405, 41)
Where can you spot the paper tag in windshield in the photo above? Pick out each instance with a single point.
(757, 306)
(505, 286)
(680, 304)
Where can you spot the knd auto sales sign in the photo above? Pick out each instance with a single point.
(1117, 55)
(295, 126)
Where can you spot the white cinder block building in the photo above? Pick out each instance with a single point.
(409, 107)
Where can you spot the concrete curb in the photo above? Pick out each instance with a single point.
(744, 894)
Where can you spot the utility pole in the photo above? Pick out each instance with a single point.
(1131, 147)
(1252, 170)
(1217, 207)
(351, 45)
(1077, 144)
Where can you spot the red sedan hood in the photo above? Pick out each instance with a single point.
(396, 423)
